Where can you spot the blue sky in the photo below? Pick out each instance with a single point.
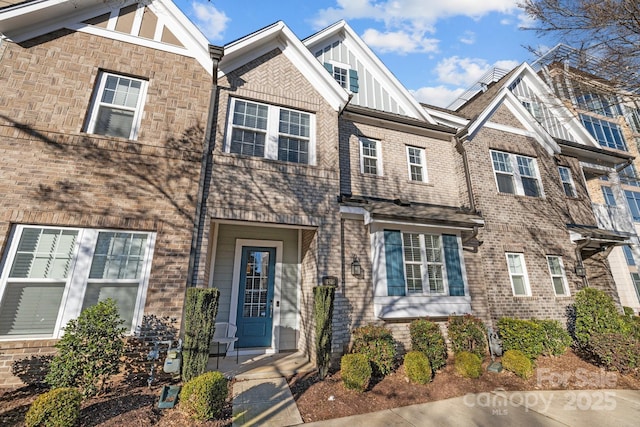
(436, 48)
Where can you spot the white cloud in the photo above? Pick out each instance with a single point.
(469, 37)
(399, 13)
(440, 96)
(399, 41)
(525, 21)
(466, 71)
(211, 21)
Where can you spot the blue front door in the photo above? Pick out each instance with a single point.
(255, 297)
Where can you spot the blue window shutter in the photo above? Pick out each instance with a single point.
(353, 81)
(329, 68)
(454, 270)
(395, 262)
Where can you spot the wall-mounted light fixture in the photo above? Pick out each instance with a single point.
(356, 268)
(581, 271)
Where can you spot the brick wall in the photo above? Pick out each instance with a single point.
(52, 173)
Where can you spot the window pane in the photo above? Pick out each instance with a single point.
(248, 143)
(518, 285)
(293, 150)
(515, 264)
(118, 256)
(44, 254)
(250, 115)
(30, 309)
(124, 295)
(554, 265)
(433, 248)
(505, 183)
(114, 122)
(370, 165)
(414, 278)
(558, 285)
(436, 281)
(530, 186)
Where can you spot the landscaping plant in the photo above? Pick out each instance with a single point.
(417, 367)
(518, 363)
(202, 398)
(427, 338)
(59, 407)
(467, 333)
(468, 364)
(323, 311)
(201, 308)
(90, 350)
(595, 313)
(356, 372)
(377, 343)
(534, 337)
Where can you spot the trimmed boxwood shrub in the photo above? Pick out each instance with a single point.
(59, 407)
(467, 333)
(355, 370)
(615, 351)
(417, 367)
(595, 313)
(90, 350)
(201, 308)
(202, 398)
(518, 363)
(533, 337)
(323, 297)
(469, 365)
(427, 338)
(377, 343)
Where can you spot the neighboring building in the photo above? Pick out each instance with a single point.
(103, 114)
(612, 117)
(540, 242)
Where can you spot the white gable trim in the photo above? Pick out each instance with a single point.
(280, 36)
(342, 31)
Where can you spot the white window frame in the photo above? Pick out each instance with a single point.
(516, 174)
(568, 182)
(342, 66)
(272, 133)
(524, 274)
(562, 275)
(75, 285)
(424, 266)
(96, 103)
(378, 157)
(422, 165)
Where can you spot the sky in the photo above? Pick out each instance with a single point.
(436, 48)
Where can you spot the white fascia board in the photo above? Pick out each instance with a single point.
(447, 119)
(280, 36)
(373, 65)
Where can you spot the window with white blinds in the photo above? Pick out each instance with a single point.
(117, 106)
(51, 274)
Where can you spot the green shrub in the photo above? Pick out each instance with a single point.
(201, 307)
(59, 407)
(630, 325)
(467, 333)
(469, 365)
(518, 363)
(417, 367)
(427, 338)
(555, 339)
(323, 311)
(614, 351)
(90, 350)
(376, 342)
(595, 313)
(355, 370)
(534, 337)
(202, 398)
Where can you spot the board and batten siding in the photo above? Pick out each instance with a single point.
(223, 274)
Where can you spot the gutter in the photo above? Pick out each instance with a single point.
(578, 253)
(216, 53)
(460, 137)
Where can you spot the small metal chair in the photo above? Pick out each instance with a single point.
(225, 333)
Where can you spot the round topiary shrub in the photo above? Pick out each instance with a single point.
(203, 397)
(417, 367)
(468, 365)
(427, 338)
(518, 363)
(377, 343)
(59, 407)
(356, 371)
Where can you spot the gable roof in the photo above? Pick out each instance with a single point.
(482, 107)
(378, 88)
(278, 35)
(158, 24)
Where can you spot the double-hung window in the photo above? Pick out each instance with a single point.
(417, 164)
(633, 200)
(567, 181)
(516, 174)
(518, 274)
(628, 255)
(424, 263)
(558, 277)
(370, 157)
(607, 134)
(271, 132)
(635, 278)
(117, 106)
(609, 199)
(52, 273)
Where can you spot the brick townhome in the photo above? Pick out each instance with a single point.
(103, 112)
